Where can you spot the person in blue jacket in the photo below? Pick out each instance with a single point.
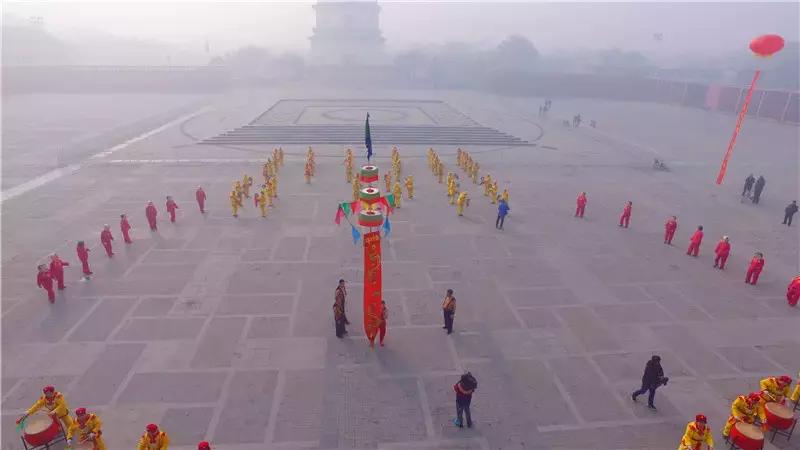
(502, 212)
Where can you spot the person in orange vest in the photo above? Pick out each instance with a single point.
(669, 229)
(200, 196)
(44, 279)
(57, 270)
(722, 251)
(125, 227)
(581, 208)
(756, 266)
(793, 291)
(625, 218)
(153, 439)
(55, 404)
(694, 242)
(172, 208)
(88, 428)
(151, 212)
(697, 433)
(105, 239)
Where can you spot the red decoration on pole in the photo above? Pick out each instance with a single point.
(724, 167)
(373, 292)
(763, 46)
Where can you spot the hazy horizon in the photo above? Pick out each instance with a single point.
(688, 29)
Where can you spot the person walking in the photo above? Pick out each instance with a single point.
(653, 378)
(339, 318)
(669, 229)
(502, 212)
(105, 238)
(755, 268)
(790, 211)
(625, 218)
(581, 205)
(748, 185)
(341, 295)
(45, 281)
(722, 251)
(449, 311)
(464, 389)
(695, 241)
(758, 188)
(83, 257)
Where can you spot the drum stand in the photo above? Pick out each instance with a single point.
(48, 445)
(787, 433)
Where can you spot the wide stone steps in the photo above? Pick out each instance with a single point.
(352, 134)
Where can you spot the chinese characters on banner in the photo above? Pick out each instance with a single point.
(372, 284)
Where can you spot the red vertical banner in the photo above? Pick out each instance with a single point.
(724, 167)
(373, 292)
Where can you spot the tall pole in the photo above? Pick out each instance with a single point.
(724, 167)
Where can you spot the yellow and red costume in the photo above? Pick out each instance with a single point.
(796, 394)
(410, 186)
(462, 202)
(398, 194)
(697, 433)
(55, 404)
(743, 409)
(773, 389)
(87, 426)
(236, 202)
(153, 439)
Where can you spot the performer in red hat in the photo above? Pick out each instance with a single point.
(793, 291)
(153, 439)
(697, 433)
(44, 279)
(88, 428)
(55, 404)
(200, 195)
(581, 202)
(57, 270)
(204, 446)
(669, 229)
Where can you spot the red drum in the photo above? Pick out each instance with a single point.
(779, 416)
(368, 174)
(747, 437)
(40, 429)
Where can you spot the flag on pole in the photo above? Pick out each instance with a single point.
(368, 139)
(355, 233)
(387, 227)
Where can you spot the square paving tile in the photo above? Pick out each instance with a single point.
(187, 426)
(255, 304)
(747, 359)
(154, 307)
(541, 297)
(300, 410)
(268, 327)
(246, 413)
(173, 387)
(159, 329)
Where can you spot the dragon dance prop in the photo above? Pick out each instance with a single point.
(371, 212)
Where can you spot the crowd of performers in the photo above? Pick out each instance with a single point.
(750, 409)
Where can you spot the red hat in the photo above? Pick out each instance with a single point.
(80, 411)
(49, 389)
(152, 428)
(785, 379)
(700, 418)
(754, 397)
(204, 446)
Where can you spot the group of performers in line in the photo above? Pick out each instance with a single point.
(86, 427)
(264, 197)
(459, 197)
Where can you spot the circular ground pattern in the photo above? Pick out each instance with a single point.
(359, 114)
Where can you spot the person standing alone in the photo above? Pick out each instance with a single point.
(464, 389)
(790, 211)
(502, 212)
(653, 378)
(449, 311)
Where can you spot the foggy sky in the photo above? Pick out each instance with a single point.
(688, 29)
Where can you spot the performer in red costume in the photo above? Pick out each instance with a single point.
(105, 239)
(625, 218)
(151, 212)
(204, 446)
(756, 266)
(83, 256)
(57, 270)
(125, 227)
(793, 292)
(581, 208)
(172, 208)
(722, 251)
(45, 281)
(669, 229)
(200, 195)
(694, 242)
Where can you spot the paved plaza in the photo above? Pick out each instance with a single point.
(221, 329)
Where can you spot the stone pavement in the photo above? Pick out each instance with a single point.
(221, 329)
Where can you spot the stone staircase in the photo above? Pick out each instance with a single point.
(354, 134)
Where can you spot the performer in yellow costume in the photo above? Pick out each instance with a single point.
(398, 194)
(238, 188)
(262, 203)
(308, 171)
(475, 170)
(246, 183)
(236, 202)
(743, 409)
(410, 186)
(462, 202)
(773, 389)
(153, 439)
(266, 170)
(55, 404)
(487, 185)
(697, 433)
(388, 180)
(440, 171)
(87, 426)
(493, 193)
(280, 154)
(348, 165)
(356, 188)
(504, 196)
(796, 394)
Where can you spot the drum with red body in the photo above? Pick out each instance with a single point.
(747, 437)
(40, 429)
(779, 416)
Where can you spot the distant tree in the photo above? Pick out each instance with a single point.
(515, 51)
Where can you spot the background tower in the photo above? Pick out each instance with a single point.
(347, 33)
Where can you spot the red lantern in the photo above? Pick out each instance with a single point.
(766, 45)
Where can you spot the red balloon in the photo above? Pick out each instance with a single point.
(766, 45)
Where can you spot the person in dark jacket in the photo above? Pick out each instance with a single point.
(464, 389)
(760, 183)
(748, 185)
(653, 378)
(502, 212)
(790, 211)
